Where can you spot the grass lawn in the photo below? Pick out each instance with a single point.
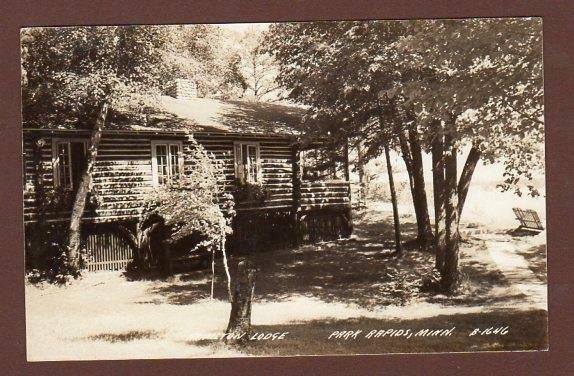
(309, 292)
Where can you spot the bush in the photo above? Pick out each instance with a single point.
(254, 193)
(431, 282)
(193, 204)
(46, 255)
(379, 191)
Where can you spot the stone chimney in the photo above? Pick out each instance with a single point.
(184, 89)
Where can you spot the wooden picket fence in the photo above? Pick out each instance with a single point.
(107, 251)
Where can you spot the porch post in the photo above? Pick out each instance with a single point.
(296, 180)
(346, 159)
(39, 227)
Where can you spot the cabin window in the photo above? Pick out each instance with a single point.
(69, 161)
(247, 162)
(167, 161)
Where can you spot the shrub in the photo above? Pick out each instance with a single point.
(431, 282)
(46, 255)
(254, 193)
(194, 203)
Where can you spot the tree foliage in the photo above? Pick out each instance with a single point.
(432, 84)
(195, 204)
(487, 73)
(258, 69)
(69, 72)
(202, 53)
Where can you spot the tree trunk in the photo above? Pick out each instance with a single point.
(465, 177)
(398, 245)
(363, 178)
(451, 278)
(296, 208)
(82, 193)
(348, 215)
(225, 263)
(165, 261)
(144, 255)
(212, 272)
(425, 234)
(438, 193)
(346, 171)
(334, 157)
(239, 326)
(412, 155)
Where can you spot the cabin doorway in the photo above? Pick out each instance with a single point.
(78, 154)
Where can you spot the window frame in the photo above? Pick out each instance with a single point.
(238, 161)
(180, 160)
(56, 160)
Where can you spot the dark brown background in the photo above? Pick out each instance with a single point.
(558, 62)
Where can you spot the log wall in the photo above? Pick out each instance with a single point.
(323, 194)
(121, 175)
(123, 172)
(275, 155)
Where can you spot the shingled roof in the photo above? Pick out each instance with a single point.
(213, 115)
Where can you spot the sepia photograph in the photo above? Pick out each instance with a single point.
(284, 189)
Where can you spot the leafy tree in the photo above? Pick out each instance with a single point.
(437, 85)
(484, 89)
(258, 69)
(70, 72)
(204, 54)
(342, 71)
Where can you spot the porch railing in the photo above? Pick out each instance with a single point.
(323, 194)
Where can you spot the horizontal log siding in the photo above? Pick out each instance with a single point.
(323, 194)
(121, 176)
(222, 149)
(29, 166)
(276, 163)
(122, 173)
(275, 157)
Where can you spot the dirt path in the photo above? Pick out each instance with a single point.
(505, 251)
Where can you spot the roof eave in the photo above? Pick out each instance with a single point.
(149, 132)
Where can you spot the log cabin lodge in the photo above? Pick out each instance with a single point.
(256, 142)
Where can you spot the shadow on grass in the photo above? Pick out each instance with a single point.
(132, 335)
(478, 281)
(526, 331)
(362, 271)
(536, 258)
